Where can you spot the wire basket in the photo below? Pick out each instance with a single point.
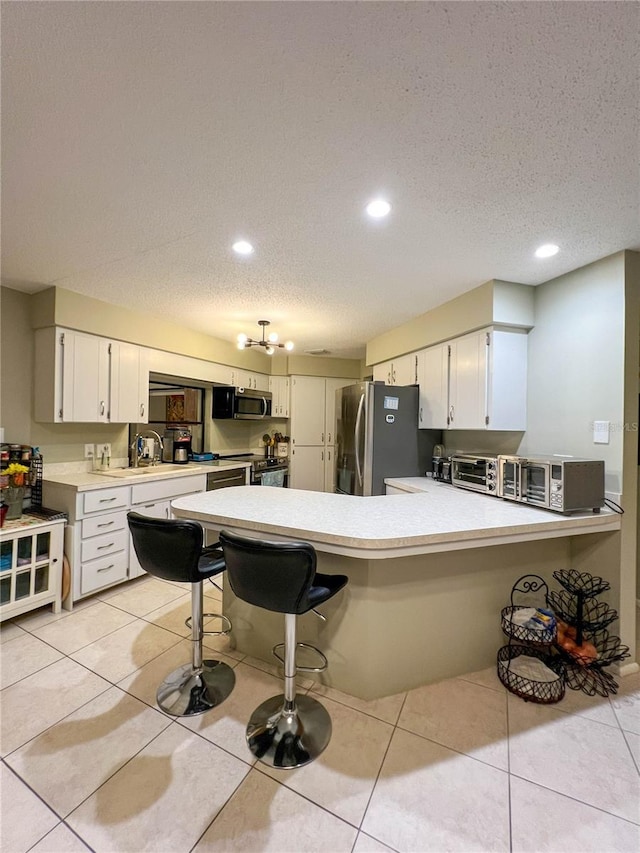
(590, 680)
(542, 692)
(525, 635)
(581, 582)
(595, 614)
(36, 481)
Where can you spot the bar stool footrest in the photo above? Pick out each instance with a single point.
(320, 668)
(221, 616)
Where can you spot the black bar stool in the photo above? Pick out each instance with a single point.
(285, 731)
(173, 550)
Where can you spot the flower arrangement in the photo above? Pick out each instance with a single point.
(13, 475)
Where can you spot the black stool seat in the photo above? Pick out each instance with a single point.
(284, 731)
(173, 550)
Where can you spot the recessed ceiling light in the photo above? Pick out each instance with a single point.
(242, 247)
(378, 208)
(547, 251)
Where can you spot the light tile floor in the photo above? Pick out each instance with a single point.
(90, 763)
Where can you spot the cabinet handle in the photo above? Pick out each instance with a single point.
(322, 439)
(141, 410)
(106, 524)
(104, 547)
(420, 414)
(102, 407)
(106, 500)
(328, 456)
(106, 568)
(329, 438)
(322, 455)
(148, 506)
(451, 413)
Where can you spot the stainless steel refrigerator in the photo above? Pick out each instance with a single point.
(377, 436)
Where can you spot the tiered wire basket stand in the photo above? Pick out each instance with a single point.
(577, 604)
(530, 591)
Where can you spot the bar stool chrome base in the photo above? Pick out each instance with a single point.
(186, 691)
(286, 737)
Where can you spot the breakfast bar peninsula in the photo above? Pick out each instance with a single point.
(429, 572)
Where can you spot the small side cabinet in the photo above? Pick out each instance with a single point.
(31, 554)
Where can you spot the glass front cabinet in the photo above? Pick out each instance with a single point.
(31, 555)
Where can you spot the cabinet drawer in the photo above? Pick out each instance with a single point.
(100, 546)
(103, 572)
(104, 524)
(103, 499)
(167, 489)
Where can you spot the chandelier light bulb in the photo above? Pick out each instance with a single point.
(242, 338)
(289, 345)
(273, 338)
(270, 350)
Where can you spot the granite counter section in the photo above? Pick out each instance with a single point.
(437, 517)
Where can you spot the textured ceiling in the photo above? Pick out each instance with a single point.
(139, 140)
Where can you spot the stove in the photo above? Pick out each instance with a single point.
(260, 463)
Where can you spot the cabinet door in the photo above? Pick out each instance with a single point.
(331, 386)
(403, 370)
(307, 410)
(468, 382)
(383, 372)
(260, 381)
(85, 379)
(330, 468)
(156, 509)
(433, 379)
(279, 387)
(129, 384)
(308, 468)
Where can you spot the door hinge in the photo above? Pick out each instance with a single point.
(62, 339)
(488, 339)
(486, 420)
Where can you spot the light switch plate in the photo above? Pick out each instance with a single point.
(601, 432)
(88, 451)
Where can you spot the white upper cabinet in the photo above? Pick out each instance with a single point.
(88, 379)
(249, 379)
(433, 379)
(307, 410)
(398, 371)
(129, 383)
(477, 381)
(280, 396)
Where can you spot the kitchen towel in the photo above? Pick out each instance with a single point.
(272, 478)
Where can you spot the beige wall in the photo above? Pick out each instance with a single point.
(499, 302)
(21, 313)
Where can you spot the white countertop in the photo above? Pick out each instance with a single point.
(85, 481)
(437, 517)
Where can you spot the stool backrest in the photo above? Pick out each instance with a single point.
(273, 575)
(167, 548)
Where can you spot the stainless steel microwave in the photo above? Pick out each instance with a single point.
(563, 485)
(243, 404)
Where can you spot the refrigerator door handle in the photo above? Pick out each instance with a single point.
(356, 435)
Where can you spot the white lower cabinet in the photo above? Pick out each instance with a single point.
(30, 566)
(97, 539)
(308, 468)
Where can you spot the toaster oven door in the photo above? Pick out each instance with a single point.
(509, 479)
(535, 483)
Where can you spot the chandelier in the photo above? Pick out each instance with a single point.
(269, 344)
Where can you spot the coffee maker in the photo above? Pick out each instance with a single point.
(176, 445)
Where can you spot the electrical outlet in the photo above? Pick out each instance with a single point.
(88, 451)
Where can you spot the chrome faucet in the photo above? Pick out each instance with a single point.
(136, 448)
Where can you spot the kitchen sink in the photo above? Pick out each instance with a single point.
(148, 471)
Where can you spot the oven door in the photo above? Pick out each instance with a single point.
(470, 473)
(534, 483)
(275, 475)
(509, 478)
